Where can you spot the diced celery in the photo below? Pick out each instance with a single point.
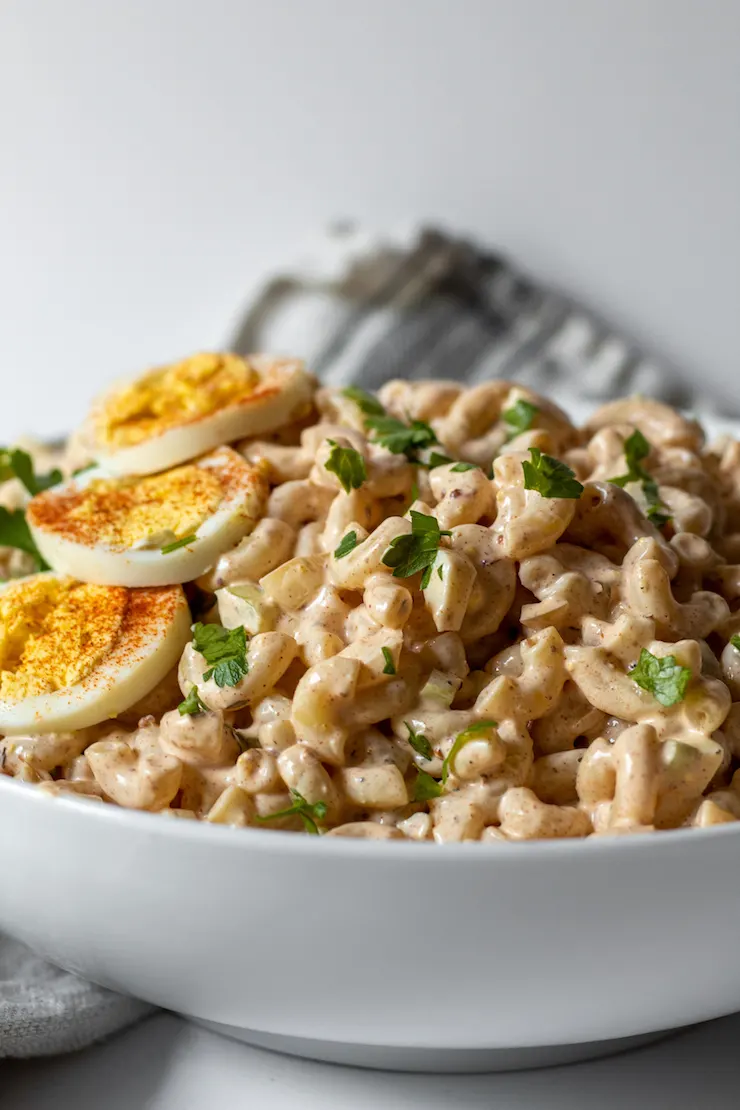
(441, 688)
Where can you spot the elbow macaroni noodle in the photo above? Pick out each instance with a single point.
(494, 701)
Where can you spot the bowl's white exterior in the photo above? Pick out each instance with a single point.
(379, 943)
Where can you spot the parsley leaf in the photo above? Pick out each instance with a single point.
(657, 513)
(390, 666)
(400, 438)
(14, 532)
(437, 459)
(393, 434)
(309, 812)
(419, 742)
(347, 464)
(84, 469)
(192, 703)
(346, 544)
(15, 463)
(463, 738)
(519, 417)
(664, 678)
(225, 649)
(7, 470)
(657, 517)
(461, 467)
(415, 551)
(366, 403)
(637, 448)
(176, 544)
(550, 477)
(735, 641)
(426, 787)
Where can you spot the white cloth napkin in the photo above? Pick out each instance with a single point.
(414, 305)
(44, 1010)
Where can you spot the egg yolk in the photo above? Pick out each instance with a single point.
(54, 632)
(125, 511)
(174, 395)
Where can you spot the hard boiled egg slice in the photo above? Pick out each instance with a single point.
(151, 531)
(180, 411)
(74, 654)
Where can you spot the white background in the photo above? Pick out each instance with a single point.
(156, 155)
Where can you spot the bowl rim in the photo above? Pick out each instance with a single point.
(282, 842)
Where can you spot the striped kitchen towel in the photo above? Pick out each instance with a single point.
(416, 305)
(422, 304)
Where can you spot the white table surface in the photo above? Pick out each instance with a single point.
(167, 1064)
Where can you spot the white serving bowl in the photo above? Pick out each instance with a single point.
(387, 954)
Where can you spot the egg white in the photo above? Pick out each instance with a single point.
(257, 415)
(104, 564)
(136, 664)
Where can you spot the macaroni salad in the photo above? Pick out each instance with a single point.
(436, 613)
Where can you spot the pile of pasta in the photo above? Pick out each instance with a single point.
(458, 617)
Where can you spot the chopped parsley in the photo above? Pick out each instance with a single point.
(390, 666)
(400, 438)
(437, 459)
(14, 532)
(15, 463)
(637, 448)
(550, 477)
(226, 651)
(366, 403)
(735, 641)
(346, 544)
(461, 467)
(391, 433)
(84, 469)
(664, 678)
(520, 417)
(657, 513)
(177, 544)
(348, 465)
(309, 812)
(419, 742)
(192, 703)
(415, 551)
(471, 733)
(426, 788)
